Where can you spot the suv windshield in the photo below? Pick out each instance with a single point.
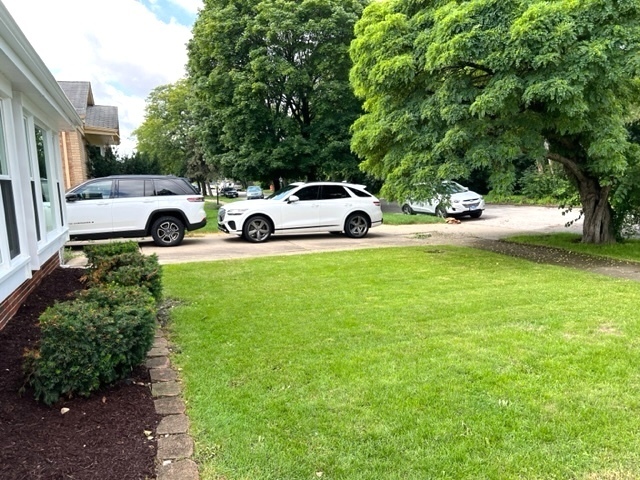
(280, 194)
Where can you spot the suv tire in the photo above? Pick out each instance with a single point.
(257, 229)
(356, 226)
(167, 231)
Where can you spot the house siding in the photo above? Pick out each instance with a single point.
(33, 112)
(10, 306)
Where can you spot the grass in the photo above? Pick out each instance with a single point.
(402, 219)
(627, 250)
(407, 363)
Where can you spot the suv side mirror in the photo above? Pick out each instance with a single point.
(72, 197)
(293, 199)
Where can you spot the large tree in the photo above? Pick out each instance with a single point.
(168, 133)
(271, 79)
(452, 86)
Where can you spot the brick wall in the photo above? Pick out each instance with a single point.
(12, 304)
(75, 165)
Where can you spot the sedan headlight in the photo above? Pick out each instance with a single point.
(236, 211)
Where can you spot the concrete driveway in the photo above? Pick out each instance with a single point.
(497, 222)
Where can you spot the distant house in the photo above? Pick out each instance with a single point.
(33, 112)
(100, 128)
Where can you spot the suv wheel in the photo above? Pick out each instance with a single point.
(356, 226)
(167, 231)
(257, 229)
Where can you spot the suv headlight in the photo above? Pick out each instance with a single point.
(236, 211)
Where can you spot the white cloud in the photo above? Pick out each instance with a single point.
(120, 46)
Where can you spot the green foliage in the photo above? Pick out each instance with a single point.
(110, 163)
(91, 341)
(450, 87)
(544, 183)
(271, 88)
(128, 269)
(99, 252)
(168, 133)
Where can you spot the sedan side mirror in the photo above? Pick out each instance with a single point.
(293, 199)
(72, 197)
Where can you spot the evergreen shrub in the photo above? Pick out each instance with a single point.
(91, 341)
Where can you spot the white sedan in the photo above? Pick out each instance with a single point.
(304, 208)
(458, 201)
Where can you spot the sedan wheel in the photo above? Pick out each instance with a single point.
(257, 229)
(167, 232)
(356, 226)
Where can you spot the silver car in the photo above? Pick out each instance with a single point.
(458, 201)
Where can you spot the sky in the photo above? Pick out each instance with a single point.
(125, 48)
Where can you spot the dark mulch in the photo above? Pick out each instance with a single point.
(101, 437)
(557, 256)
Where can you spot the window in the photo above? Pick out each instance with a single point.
(308, 193)
(7, 199)
(359, 193)
(171, 187)
(46, 182)
(98, 190)
(333, 192)
(131, 188)
(32, 180)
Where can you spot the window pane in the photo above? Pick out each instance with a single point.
(95, 190)
(130, 188)
(359, 193)
(4, 169)
(330, 192)
(47, 187)
(308, 193)
(170, 187)
(35, 209)
(10, 217)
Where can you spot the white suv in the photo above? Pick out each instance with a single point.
(304, 208)
(135, 206)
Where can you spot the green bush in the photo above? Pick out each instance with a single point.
(91, 341)
(128, 269)
(97, 253)
(544, 183)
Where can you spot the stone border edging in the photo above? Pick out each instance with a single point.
(175, 445)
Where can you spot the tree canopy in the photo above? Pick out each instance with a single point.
(168, 133)
(271, 85)
(450, 87)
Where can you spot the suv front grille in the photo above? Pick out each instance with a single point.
(221, 214)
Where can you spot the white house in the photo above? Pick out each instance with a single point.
(33, 112)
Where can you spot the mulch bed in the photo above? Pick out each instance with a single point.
(100, 437)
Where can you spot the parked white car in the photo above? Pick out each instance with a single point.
(304, 208)
(129, 206)
(458, 201)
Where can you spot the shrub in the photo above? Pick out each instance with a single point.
(91, 341)
(544, 183)
(128, 269)
(97, 253)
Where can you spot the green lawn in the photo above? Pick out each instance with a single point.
(627, 250)
(407, 363)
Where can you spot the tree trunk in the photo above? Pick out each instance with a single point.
(598, 214)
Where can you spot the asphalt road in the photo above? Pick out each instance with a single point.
(497, 222)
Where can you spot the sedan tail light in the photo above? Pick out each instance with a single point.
(376, 203)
